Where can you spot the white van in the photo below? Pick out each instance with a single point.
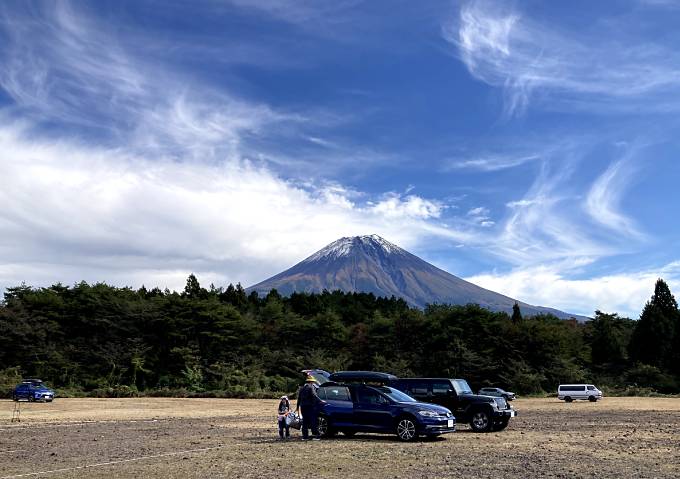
(569, 392)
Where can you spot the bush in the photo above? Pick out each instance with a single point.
(9, 378)
(72, 392)
(118, 391)
(646, 376)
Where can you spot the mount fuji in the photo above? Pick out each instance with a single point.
(372, 264)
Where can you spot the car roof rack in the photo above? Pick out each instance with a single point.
(362, 377)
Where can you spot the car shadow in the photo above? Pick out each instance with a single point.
(359, 437)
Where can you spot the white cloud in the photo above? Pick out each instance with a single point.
(394, 205)
(480, 216)
(479, 211)
(547, 285)
(520, 203)
(508, 50)
(110, 215)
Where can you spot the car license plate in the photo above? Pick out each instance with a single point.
(450, 423)
(513, 413)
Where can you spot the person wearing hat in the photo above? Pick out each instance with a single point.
(309, 403)
(284, 410)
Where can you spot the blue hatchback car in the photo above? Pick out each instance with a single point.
(33, 390)
(357, 402)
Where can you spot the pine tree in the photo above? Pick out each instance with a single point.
(655, 333)
(192, 288)
(516, 313)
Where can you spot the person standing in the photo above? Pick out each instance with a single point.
(309, 403)
(284, 410)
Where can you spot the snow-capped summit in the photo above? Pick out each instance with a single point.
(372, 264)
(351, 244)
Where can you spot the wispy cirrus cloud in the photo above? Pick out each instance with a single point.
(491, 163)
(564, 213)
(526, 58)
(544, 225)
(604, 196)
(61, 65)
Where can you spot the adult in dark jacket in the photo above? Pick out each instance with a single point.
(309, 403)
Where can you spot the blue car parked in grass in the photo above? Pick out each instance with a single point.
(356, 401)
(33, 390)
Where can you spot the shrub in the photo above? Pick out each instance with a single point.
(9, 378)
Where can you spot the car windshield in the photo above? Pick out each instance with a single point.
(394, 394)
(461, 386)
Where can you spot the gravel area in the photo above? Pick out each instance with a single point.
(177, 438)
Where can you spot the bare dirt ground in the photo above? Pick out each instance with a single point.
(222, 438)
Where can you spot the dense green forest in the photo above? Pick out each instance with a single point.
(102, 340)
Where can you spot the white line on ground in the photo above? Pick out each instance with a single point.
(111, 463)
(82, 423)
(14, 450)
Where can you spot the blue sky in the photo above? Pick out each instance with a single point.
(527, 146)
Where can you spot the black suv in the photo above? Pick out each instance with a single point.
(483, 413)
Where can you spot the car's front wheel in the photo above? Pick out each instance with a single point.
(481, 421)
(502, 424)
(592, 398)
(406, 429)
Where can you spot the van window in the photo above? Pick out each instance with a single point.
(572, 388)
(591, 388)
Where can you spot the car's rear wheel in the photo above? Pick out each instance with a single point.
(325, 429)
(568, 399)
(406, 429)
(481, 421)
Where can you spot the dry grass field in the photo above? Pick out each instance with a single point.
(222, 438)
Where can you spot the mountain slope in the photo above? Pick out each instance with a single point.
(373, 265)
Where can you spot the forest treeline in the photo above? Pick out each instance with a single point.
(103, 340)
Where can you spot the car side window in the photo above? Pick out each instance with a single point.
(441, 388)
(368, 396)
(418, 388)
(591, 388)
(336, 393)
